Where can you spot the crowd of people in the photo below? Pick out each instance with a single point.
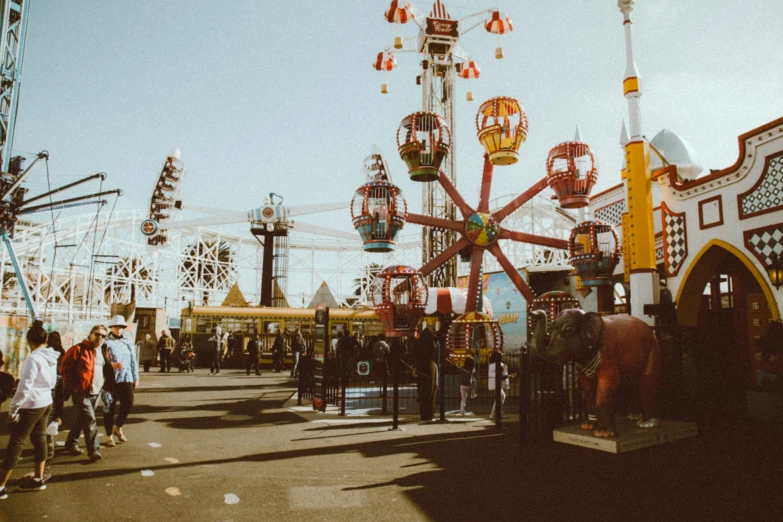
(104, 367)
(101, 367)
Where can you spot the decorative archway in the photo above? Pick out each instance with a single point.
(714, 257)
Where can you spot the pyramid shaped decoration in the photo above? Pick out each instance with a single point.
(323, 296)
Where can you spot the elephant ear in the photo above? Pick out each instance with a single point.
(592, 328)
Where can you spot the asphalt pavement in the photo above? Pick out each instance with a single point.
(238, 448)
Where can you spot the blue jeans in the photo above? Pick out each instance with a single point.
(84, 421)
(32, 423)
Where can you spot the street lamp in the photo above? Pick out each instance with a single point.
(775, 270)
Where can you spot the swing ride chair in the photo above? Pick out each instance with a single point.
(13, 205)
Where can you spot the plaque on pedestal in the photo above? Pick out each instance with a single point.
(631, 436)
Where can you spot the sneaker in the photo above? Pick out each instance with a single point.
(3, 493)
(75, 451)
(120, 435)
(95, 457)
(32, 483)
(110, 442)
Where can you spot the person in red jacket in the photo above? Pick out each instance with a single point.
(82, 373)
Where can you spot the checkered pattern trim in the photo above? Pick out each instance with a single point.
(612, 213)
(768, 194)
(765, 241)
(659, 249)
(675, 240)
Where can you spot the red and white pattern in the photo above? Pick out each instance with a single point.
(499, 23)
(470, 71)
(439, 11)
(399, 12)
(447, 300)
(385, 61)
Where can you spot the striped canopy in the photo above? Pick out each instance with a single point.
(470, 71)
(499, 23)
(385, 61)
(446, 300)
(399, 12)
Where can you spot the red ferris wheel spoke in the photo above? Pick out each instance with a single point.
(455, 196)
(444, 256)
(473, 281)
(520, 200)
(512, 273)
(533, 239)
(429, 221)
(486, 185)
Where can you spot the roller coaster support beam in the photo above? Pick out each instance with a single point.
(19, 276)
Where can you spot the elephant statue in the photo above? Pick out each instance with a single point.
(609, 352)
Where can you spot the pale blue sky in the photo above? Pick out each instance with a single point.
(281, 96)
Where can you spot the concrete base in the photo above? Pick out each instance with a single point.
(631, 436)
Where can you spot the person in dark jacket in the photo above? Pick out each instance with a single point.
(254, 354)
(278, 351)
(166, 345)
(6, 382)
(58, 399)
(297, 350)
(424, 355)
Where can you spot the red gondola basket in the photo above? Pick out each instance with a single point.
(423, 141)
(594, 252)
(399, 296)
(378, 211)
(572, 171)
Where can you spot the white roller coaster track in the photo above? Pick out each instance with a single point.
(80, 266)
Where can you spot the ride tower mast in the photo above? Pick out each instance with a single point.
(442, 59)
(638, 228)
(13, 31)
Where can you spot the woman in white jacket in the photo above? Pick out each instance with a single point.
(28, 414)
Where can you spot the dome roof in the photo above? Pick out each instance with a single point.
(677, 152)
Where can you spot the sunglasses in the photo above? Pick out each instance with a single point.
(100, 336)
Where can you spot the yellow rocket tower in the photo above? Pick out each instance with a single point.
(638, 229)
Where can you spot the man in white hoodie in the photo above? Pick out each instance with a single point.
(28, 414)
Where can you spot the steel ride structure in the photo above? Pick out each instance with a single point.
(442, 59)
(270, 224)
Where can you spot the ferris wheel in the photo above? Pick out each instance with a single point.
(423, 143)
(270, 224)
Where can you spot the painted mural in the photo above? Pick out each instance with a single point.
(14, 345)
(507, 305)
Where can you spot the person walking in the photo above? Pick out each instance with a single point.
(58, 398)
(148, 352)
(214, 352)
(119, 350)
(254, 354)
(28, 414)
(82, 373)
(165, 346)
(467, 382)
(6, 381)
(297, 349)
(278, 351)
(504, 383)
(424, 354)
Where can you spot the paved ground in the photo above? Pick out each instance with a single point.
(198, 443)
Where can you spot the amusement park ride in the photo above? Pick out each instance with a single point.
(424, 141)
(442, 60)
(270, 224)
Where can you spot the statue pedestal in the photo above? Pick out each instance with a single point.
(631, 436)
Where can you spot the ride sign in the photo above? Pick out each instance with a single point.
(363, 368)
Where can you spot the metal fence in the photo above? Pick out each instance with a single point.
(553, 396)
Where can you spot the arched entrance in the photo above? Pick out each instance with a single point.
(722, 305)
